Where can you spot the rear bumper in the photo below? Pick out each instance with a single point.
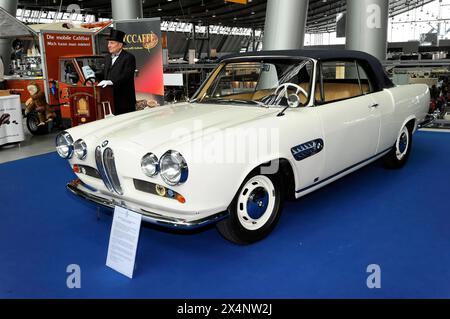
(429, 119)
(79, 189)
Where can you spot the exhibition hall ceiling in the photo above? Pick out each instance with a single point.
(322, 14)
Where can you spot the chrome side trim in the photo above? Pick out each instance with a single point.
(150, 217)
(345, 171)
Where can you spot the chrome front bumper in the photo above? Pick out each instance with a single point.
(81, 190)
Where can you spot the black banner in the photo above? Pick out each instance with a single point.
(143, 38)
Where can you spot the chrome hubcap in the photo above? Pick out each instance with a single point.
(257, 203)
(403, 143)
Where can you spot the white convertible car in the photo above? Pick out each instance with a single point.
(263, 128)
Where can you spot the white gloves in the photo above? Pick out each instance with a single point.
(104, 84)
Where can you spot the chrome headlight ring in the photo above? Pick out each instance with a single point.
(64, 145)
(173, 168)
(80, 149)
(150, 165)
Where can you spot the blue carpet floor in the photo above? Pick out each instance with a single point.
(321, 248)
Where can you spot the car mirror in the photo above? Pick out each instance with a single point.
(294, 100)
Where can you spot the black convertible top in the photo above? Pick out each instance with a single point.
(371, 64)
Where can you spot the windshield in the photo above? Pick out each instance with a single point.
(256, 83)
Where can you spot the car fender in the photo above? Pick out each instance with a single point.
(263, 161)
(408, 119)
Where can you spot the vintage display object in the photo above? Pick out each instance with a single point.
(81, 100)
(37, 103)
(333, 112)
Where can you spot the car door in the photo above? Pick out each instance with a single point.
(389, 129)
(349, 115)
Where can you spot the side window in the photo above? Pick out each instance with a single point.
(365, 82)
(341, 80)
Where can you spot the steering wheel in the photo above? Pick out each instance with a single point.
(89, 80)
(282, 91)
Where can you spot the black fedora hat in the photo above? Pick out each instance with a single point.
(117, 35)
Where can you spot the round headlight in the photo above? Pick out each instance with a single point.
(150, 165)
(64, 145)
(174, 169)
(80, 149)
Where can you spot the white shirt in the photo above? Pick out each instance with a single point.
(115, 57)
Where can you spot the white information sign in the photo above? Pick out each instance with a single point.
(123, 241)
(11, 129)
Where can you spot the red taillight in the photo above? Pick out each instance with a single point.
(76, 169)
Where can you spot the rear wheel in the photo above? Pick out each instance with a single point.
(254, 211)
(33, 124)
(399, 154)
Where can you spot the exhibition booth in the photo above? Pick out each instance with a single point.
(59, 65)
(54, 66)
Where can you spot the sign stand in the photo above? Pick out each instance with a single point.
(98, 213)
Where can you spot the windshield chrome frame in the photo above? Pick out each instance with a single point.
(311, 99)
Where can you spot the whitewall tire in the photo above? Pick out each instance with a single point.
(399, 154)
(254, 211)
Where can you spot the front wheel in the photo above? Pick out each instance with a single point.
(254, 211)
(399, 154)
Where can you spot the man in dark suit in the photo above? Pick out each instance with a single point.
(119, 72)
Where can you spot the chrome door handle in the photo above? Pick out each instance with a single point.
(371, 106)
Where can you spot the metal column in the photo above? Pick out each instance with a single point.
(367, 26)
(5, 44)
(127, 10)
(285, 24)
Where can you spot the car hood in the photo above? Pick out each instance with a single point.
(155, 127)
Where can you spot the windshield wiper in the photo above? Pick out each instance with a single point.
(250, 102)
